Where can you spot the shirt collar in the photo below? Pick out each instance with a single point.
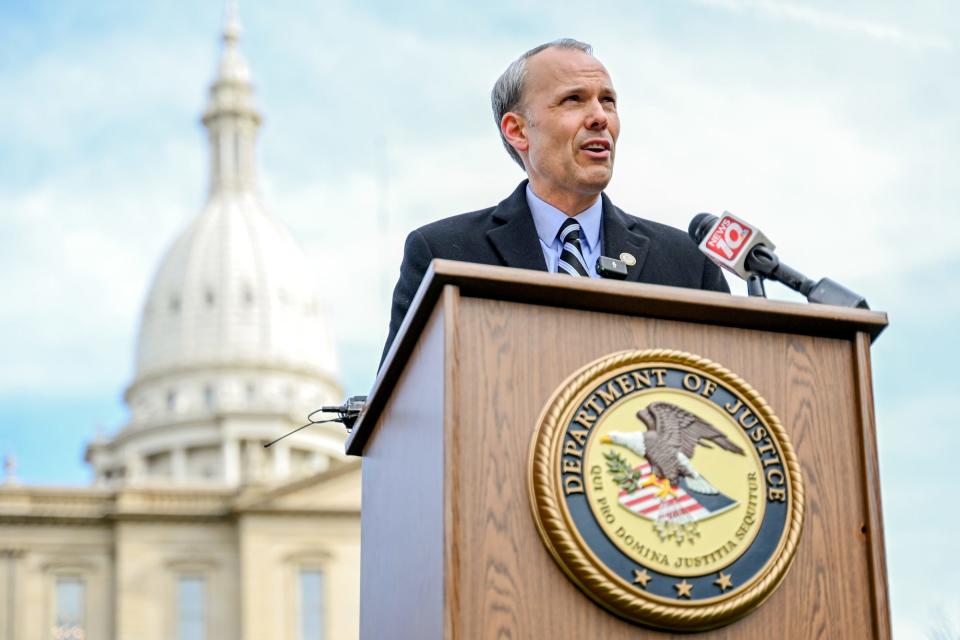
(548, 219)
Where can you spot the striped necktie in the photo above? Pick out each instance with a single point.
(571, 261)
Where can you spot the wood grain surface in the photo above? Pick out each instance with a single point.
(509, 361)
(402, 519)
(873, 527)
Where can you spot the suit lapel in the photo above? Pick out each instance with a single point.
(515, 236)
(620, 237)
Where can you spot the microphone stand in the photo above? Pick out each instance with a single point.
(755, 286)
(825, 291)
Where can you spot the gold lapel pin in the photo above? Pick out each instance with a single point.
(628, 259)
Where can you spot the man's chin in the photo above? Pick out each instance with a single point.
(597, 178)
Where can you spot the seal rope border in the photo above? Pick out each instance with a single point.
(563, 546)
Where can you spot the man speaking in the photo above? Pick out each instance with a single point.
(557, 113)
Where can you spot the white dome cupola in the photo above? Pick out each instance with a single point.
(231, 117)
(233, 349)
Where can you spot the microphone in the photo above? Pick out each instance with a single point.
(347, 414)
(611, 268)
(727, 241)
(741, 248)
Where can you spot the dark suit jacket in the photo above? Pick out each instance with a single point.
(506, 235)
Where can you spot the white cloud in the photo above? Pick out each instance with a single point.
(833, 21)
(66, 97)
(77, 259)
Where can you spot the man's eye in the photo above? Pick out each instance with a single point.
(573, 98)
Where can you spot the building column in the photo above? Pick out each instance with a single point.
(135, 469)
(178, 464)
(231, 461)
(8, 593)
(281, 460)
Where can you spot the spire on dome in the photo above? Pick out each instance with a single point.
(231, 30)
(232, 118)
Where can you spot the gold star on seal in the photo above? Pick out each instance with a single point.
(641, 577)
(683, 589)
(724, 582)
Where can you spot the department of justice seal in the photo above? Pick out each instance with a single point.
(666, 489)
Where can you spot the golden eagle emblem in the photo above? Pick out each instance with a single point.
(670, 441)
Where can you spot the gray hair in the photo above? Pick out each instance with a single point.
(507, 94)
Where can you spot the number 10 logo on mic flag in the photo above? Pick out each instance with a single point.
(729, 238)
(729, 242)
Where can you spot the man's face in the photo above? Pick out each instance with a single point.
(569, 124)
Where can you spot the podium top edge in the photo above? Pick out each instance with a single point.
(611, 296)
(476, 280)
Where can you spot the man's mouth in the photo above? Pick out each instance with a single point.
(596, 148)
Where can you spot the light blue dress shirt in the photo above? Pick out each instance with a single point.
(548, 219)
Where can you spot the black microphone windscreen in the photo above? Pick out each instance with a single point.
(699, 226)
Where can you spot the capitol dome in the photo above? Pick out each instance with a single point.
(234, 349)
(235, 289)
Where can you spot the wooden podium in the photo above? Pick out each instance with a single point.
(450, 548)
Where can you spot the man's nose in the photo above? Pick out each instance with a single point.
(597, 116)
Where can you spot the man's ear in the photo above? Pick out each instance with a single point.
(514, 129)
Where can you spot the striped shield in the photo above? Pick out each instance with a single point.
(652, 502)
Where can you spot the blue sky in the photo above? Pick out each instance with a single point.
(833, 126)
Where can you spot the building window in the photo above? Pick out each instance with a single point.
(209, 396)
(312, 606)
(69, 594)
(191, 608)
(171, 400)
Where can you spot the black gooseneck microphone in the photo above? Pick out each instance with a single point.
(743, 249)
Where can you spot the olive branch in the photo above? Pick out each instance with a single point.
(627, 477)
